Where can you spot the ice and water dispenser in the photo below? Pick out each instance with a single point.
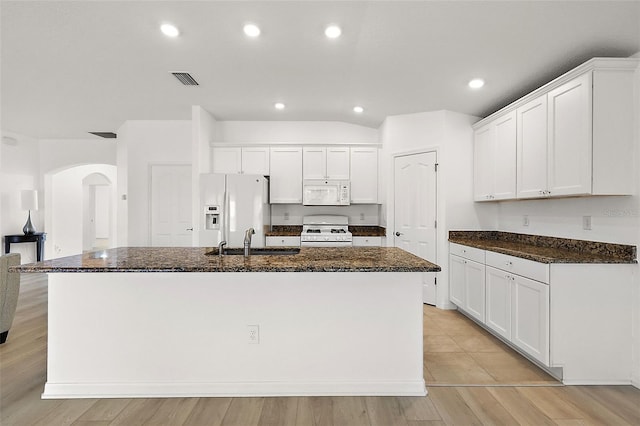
(211, 217)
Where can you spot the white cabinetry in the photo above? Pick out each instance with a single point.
(574, 136)
(282, 241)
(467, 280)
(367, 241)
(531, 149)
(247, 160)
(364, 175)
(495, 159)
(326, 163)
(553, 313)
(286, 175)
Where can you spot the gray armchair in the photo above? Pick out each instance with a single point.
(9, 290)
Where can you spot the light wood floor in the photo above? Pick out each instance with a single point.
(23, 373)
(458, 351)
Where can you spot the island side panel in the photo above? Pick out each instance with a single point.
(186, 334)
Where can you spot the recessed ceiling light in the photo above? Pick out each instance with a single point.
(333, 31)
(358, 109)
(169, 30)
(476, 83)
(279, 105)
(251, 30)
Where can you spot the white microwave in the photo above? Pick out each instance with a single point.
(321, 192)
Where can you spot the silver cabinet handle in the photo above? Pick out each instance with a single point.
(189, 229)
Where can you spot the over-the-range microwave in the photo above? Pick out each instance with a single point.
(326, 192)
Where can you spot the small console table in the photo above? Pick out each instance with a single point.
(38, 238)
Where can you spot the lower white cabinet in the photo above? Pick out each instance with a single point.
(530, 317)
(283, 241)
(367, 241)
(467, 285)
(498, 297)
(576, 320)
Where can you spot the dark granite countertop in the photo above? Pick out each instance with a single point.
(546, 249)
(194, 259)
(296, 230)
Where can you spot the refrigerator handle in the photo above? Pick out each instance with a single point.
(225, 216)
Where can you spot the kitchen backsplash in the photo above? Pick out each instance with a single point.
(292, 214)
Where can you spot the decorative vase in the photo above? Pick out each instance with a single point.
(28, 228)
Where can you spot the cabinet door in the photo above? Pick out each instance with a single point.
(314, 163)
(456, 280)
(286, 175)
(530, 317)
(504, 177)
(474, 289)
(570, 149)
(227, 160)
(531, 150)
(483, 157)
(255, 161)
(338, 163)
(364, 175)
(498, 307)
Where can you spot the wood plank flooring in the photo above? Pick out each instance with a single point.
(23, 373)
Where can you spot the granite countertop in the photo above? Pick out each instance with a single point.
(195, 259)
(546, 249)
(296, 230)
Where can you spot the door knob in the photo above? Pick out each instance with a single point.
(398, 234)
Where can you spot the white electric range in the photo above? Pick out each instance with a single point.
(325, 231)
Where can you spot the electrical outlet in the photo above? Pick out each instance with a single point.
(586, 223)
(361, 216)
(286, 215)
(525, 220)
(253, 333)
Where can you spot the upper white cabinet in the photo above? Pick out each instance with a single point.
(532, 149)
(574, 136)
(286, 175)
(494, 159)
(364, 175)
(326, 163)
(247, 160)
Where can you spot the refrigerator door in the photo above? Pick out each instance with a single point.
(212, 194)
(247, 208)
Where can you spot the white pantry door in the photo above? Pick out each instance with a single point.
(171, 206)
(415, 211)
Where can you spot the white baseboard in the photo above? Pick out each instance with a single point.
(239, 389)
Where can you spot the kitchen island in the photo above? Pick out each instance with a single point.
(173, 322)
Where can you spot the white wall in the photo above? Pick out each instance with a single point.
(19, 169)
(142, 143)
(450, 135)
(293, 132)
(57, 154)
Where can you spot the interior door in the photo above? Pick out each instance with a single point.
(415, 211)
(171, 206)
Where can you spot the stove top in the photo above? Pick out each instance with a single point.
(326, 231)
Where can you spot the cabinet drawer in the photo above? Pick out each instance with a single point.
(283, 241)
(467, 252)
(367, 241)
(523, 267)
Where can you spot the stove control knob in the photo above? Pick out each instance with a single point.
(326, 238)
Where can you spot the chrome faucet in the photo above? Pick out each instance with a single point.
(221, 248)
(247, 241)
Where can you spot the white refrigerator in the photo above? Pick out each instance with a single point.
(231, 204)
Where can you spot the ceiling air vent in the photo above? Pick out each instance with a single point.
(108, 135)
(185, 78)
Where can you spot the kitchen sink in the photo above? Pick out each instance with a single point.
(270, 251)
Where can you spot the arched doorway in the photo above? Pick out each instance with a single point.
(80, 209)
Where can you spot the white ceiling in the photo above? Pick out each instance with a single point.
(70, 67)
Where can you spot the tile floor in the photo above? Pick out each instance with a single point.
(457, 351)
